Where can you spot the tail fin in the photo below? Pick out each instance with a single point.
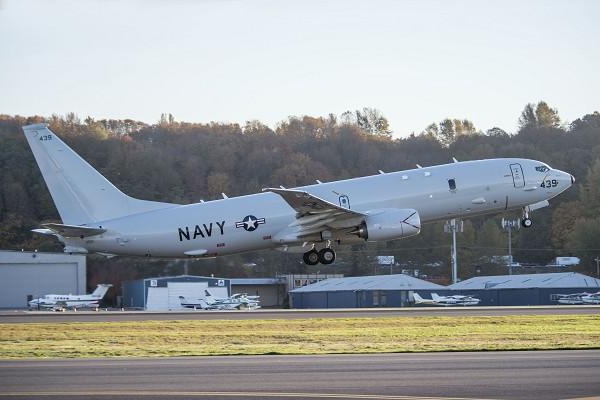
(203, 304)
(418, 298)
(435, 297)
(101, 290)
(80, 193)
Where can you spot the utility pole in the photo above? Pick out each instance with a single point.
(509, 225)
(597, 259)
(454, 226)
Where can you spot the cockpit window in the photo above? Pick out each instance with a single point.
(542, 168)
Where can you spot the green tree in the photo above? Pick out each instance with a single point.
(371, 121)
(539, 116)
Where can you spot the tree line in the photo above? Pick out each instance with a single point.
(183, 162)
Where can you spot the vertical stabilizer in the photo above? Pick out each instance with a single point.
(101, 290)
(418, 298)
(81, 194)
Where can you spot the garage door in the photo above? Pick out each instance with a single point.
(19, 280)
(158, 299)
(189, 290)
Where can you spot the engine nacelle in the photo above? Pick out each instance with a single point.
(389, 224)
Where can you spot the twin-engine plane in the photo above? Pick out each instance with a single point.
(98, 217)
(70, 301)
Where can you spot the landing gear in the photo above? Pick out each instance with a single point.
(324, 256)
(526, 222)
(311, 257)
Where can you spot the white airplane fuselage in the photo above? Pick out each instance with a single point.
(56, 301)
(98, 217)
(482, 187)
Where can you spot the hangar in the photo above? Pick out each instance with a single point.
(362, 291)
(27, 274)
(524, 290)
(396, 290)
(162, 293)
(271, 290)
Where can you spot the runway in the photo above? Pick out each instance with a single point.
(105, 316)
(487, 375)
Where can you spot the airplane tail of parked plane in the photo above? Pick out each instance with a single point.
(81, 194)
(101, 290)
(418, 298)
(435, 297)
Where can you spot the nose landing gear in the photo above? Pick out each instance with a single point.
(526, 222)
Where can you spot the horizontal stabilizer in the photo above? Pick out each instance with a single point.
(70, 230)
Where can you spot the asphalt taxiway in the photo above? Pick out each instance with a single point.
(105, 316)
(488, 375)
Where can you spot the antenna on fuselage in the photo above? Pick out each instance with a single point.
(318, 181)
(454, 159)
(418, 166)
(224, 196)
(381, 172)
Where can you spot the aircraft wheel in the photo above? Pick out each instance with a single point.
(311, 257)
(326, 256)
(526, 222)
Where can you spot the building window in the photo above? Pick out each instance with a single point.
(452, 184)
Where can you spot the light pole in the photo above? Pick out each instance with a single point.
(454, 226)
(597, 259)
(509, 225)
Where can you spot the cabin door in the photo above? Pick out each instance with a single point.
(517, 175)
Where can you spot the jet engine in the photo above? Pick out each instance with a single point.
(389, 224)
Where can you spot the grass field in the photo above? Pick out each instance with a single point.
(299, 336)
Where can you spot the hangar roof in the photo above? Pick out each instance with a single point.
(377, 282)
(182, 277)
(257, 281)
(552, 280)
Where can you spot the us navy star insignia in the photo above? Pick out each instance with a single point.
(250, 223)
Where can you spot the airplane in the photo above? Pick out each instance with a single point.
(235, 302)
(578, 298)
(454, 300)
(311, 220)
(591, 298)
(70, 301)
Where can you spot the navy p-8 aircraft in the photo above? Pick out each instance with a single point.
(98, 217)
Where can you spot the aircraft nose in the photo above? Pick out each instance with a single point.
(565, 177)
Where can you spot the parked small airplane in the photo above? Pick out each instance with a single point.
(591, 298)
(578, 298)
(98, 217)
(209, 302)
(454, 300)
(70, 301)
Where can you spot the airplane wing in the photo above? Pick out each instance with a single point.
(70, 230)
(314, 214)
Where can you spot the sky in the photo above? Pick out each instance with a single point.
(417, 62)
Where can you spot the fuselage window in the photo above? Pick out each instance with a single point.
(452, 184)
